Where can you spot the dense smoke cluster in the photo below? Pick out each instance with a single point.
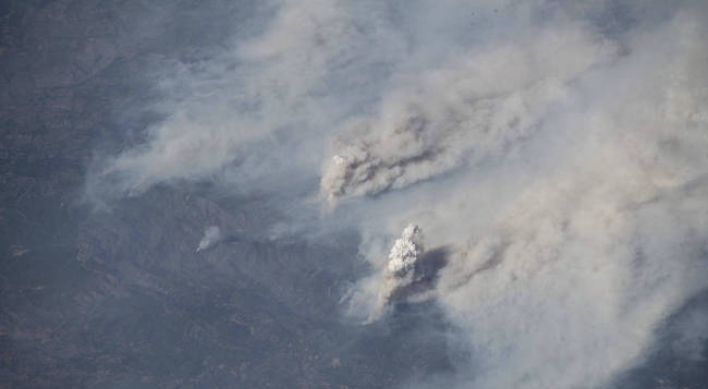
(475, 109)
(401, 268)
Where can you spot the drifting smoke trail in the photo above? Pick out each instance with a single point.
(465, 113)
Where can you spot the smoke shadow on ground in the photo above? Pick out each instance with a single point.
(425, 274)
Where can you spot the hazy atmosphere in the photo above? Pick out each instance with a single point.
(417, 194)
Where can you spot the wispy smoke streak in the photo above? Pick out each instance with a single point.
(567, 281)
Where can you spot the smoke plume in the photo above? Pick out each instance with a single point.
(212, 236)
(400, 271)
(463, 114)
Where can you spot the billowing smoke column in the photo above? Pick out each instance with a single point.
(473, 110)
(212, 236)
(401, 269)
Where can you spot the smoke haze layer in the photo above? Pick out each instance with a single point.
(556, 150)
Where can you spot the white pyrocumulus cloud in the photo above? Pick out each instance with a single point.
(405, 251)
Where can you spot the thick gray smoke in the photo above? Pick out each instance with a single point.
(472, 110)
(556, 149)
